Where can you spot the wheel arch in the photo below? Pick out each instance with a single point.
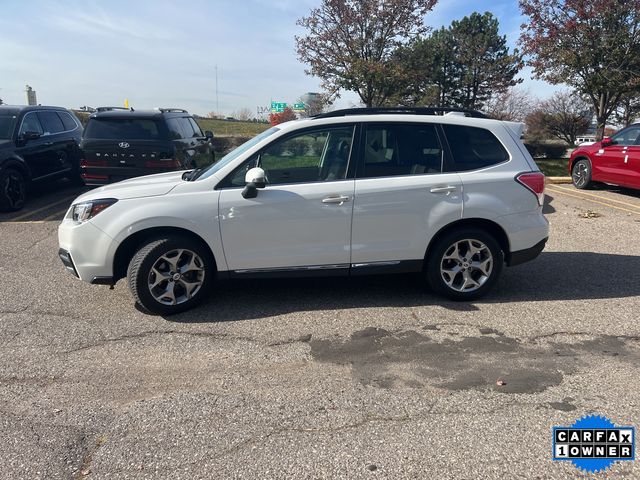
(489, 226)
(18, 164)
(573, 161)
(130, 245)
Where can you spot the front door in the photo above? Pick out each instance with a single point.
(615, 161)
(302, 219)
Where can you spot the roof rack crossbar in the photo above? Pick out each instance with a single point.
(400, 111)
(106, 109)
(163, 110)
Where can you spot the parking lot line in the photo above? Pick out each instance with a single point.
(46, 207)
(564, 192)
(581, 192)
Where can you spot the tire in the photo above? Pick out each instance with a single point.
(445, 264)
(182, 270)
(581, 175)
(13, 190)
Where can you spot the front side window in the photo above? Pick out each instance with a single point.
(473, 148)
(314, 156)
(122, 129)
(30, 123)
(401, 149)
(6, 126)
(628, 136)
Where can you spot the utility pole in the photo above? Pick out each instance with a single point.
(217, 102)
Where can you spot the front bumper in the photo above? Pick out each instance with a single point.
(86, 251)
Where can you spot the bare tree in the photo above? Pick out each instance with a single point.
(564, 116)
(350, 44)
(513, 105)
(243, 114)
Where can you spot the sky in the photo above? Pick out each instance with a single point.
(165, 53)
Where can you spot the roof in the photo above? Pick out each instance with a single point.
(16, 109)
(119, 112)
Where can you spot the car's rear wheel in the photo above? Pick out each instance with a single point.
(464, 264)
(581, 174)
(170, 275)
(13, 190)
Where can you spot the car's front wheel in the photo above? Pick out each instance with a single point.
(581, 175)
(170, 275)
(464, 264)
(13, 190)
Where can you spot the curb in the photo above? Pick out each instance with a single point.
(557, 180)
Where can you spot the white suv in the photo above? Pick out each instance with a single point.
(351, 192)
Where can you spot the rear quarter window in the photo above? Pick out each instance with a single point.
(474, 148)
(122, 129)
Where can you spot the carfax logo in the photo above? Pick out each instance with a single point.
(594, 443)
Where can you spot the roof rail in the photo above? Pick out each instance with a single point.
(107, 109)
(401, 111)
(164, 110)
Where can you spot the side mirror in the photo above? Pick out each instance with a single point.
(30, 136)
(208, 134)
(606, 142)
(255, 179)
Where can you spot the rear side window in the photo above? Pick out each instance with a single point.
(122, 129)
(67, 121)
(182, 127)
(401, 149)
(51, 122)
(474, 148)
(196, 128)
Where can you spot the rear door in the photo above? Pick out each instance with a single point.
(192, 148)
(403, 195)
(62, 143)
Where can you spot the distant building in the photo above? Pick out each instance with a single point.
(31, 96)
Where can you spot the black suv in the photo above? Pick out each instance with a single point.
(120, 143)
(36, 143)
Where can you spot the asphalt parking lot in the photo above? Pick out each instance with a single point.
(332, 378)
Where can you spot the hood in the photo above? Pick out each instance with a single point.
(147, 186)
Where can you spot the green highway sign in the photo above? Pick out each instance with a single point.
(299, 107)
(278, 107)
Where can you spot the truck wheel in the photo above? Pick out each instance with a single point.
(170, 275)
(13, 190)
(464, 264)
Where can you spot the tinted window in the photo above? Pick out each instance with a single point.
(628, 136)
(30, 123)
(6, 127)
(474, 148)
(401, 149)
(67, 121)
(196, 128)
(187, 128)
(51, 122)
(122, 129)
(317, 156)
(176, 132)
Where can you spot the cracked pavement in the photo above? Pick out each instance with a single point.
(321, 378)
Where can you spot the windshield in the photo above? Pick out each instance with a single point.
(6, 127)
(122, 129)
(232, 155)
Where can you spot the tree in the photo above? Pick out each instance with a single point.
(316, 104)
(593, 46)
(513, 105)
(243, 114)
(564, 116)
(285, 116)
(462, 65)
(350, 44)
(486, 66)
(628, 109)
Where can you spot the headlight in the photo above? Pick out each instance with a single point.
(86, 210)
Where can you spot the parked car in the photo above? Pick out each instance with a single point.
(351, 192)
(614, 160)
(37, 144)
(122, 143)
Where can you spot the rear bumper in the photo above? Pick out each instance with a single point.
(522, 256)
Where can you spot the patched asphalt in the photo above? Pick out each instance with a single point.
(321, 378)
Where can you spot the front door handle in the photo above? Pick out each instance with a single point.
(447, 189)
(340, 199)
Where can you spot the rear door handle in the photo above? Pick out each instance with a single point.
(340, 199)
(444, 189)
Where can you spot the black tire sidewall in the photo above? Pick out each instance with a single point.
(436, 253)
(4, 201)
(588, 183)
(146, 257)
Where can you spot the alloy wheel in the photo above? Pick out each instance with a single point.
(176, 277)
(466, 265)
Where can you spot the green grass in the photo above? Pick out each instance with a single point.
(555, 167)
(222, 128)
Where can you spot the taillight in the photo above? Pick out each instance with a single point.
(92, 163)
(165, 163)
(534, 181)
(89, 176)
